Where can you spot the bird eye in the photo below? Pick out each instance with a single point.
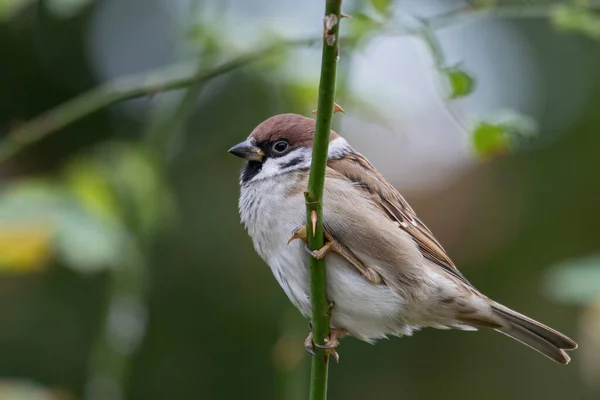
(280, 146)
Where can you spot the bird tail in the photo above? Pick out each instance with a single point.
(539, 337)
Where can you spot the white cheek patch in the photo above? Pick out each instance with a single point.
(294, 160)
(299, 159)
(338, 148)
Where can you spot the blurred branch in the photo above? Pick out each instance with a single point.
(181, 76)
(434, 47)
(455, 81)
(314, 198)
(164, 134)
(171, 78)
(471, 12)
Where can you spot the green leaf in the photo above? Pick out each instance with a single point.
(382, 6)
(461, 83)
(502, 133)
(122, 180)
(575, 281)
(489, 140)
(87, 180)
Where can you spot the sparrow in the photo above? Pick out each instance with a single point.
(387, 275)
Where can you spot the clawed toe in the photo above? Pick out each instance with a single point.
(330, 345)
(309, 344)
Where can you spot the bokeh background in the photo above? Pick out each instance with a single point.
(124, 271)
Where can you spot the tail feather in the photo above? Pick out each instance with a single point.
(545, 340)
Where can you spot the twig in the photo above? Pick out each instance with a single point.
(314, 197)
(165, 133)
(172, 78)
(178, 77)
(427, 34)
(471, 14)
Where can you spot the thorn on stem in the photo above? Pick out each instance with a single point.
(313, 219)
(338, 108)
(344, 15)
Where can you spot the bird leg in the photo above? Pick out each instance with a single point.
(331, 343)
(331, 244)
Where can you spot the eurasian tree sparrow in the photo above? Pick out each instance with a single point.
(386, 272)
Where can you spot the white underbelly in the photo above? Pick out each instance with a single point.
(366, 310)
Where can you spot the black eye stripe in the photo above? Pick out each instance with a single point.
(293, 162)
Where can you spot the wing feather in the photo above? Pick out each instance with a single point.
(354, 167)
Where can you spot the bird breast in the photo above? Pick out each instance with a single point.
(271, 210)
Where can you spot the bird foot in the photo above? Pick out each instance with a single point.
(301, 233)
(330, 345)
(331, 244)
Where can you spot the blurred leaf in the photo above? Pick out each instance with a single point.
(304, 95)
(575, 281)
(382, 6)
(502, 133)
(87, 180)
(9, 7)
(24, 248)
(46, 219)
(124, 181)
(489, 140)
(87, 244)
(25, 390)
(482, 4)
(67, 8)
(461, 83)
(576, 18)
(205, 36)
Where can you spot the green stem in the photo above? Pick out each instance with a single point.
(314, 198)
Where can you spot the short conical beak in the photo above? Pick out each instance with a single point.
(247, 151)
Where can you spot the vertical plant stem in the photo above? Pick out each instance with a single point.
(314, 197)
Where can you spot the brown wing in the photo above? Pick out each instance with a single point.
(360, 171)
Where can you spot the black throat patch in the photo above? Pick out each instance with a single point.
(251, 169)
